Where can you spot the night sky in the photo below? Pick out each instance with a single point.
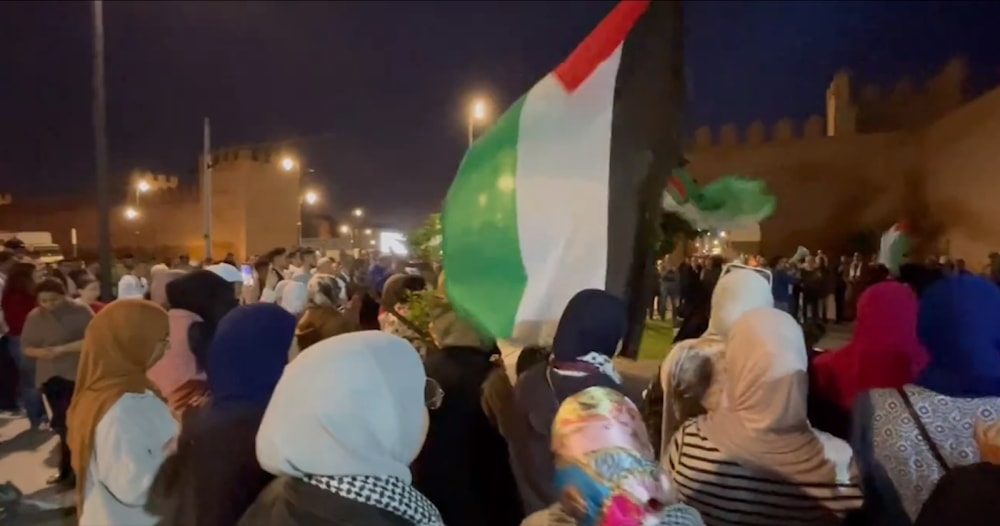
(378, 91)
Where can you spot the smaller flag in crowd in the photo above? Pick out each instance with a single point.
(727, 203)
(894, 246)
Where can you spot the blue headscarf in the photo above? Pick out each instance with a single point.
(248, 354)
(594, 321)
(959, 324)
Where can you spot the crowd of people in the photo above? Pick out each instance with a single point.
(300, 391)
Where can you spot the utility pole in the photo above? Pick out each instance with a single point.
(206, 190)
(100, 118)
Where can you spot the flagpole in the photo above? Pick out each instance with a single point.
(100, 121)
(665, 145)
(206, 189)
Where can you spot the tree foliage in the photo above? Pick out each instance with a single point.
(425, 241)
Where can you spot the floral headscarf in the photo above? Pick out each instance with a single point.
(605, 465)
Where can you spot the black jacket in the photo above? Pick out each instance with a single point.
(463, 467)
(214, 476)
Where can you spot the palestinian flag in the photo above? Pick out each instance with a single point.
(549, 201)
(894, 247)
(730, 202)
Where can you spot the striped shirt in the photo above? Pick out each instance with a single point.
(727, 493)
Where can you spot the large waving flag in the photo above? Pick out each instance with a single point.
(549, 201)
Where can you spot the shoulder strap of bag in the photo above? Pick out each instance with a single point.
(922, 429)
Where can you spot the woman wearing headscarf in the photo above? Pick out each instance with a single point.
(884, 352)
(206, 295)
(214, 476)
(692, 375)
(464, 468)
(328, 312)
(605, 471)
(589, 334)
(158, 286)
(343, 425)
(198, 301)
(119, 430)
(906, 439)
(755, 459)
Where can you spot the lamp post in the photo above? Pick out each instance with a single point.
(476, 113)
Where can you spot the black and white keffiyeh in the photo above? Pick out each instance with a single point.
(388, 493)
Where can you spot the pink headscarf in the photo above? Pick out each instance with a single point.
(883, 353)
(177, 365)
(158, 288)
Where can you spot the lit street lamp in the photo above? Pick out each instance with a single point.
(344, 229)
(358, 212)
(287, 163)
(131, 213)
(143, 186)
(311, 197)
(368, 231)
(476, 113)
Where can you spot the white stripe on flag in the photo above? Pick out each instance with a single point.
(563, 160)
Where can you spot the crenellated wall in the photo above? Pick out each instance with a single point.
(255, 204)
(833, 184)
(757, 133)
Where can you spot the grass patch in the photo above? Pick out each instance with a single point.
(657, 338)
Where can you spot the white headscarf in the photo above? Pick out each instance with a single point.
(763, 423)
(226, 272)
(292, 295)
(736, 293)
(352, 405)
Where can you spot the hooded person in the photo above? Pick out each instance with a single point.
(208, 481)
(327, 312)
(757, 444)
(907, 439)
(883, 352)
(692, 374)
(206, 295)
(339, 462)
(464, 467)
(606, 473)
(119, 429)
(587, 337)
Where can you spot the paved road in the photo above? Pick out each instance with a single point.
(27, 457)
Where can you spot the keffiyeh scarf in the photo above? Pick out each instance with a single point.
(388, 493)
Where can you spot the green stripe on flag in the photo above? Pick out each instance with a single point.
(484, 275)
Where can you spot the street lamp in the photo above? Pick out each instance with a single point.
(311, 197)
(143, 186)
(287, 163)
(358, 212)
(368, 231)
(476, 113)
(344, 229)
(131, 213)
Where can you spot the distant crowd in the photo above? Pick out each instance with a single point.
(298, 390)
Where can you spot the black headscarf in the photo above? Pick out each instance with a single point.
(210, 297)
(593, 321)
